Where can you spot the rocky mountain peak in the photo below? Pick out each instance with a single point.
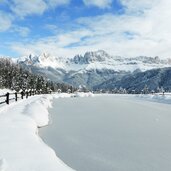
(99, 56)
(96, 60)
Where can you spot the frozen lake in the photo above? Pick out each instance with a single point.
(110, 133)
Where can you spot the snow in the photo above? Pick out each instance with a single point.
(111, 133)
(20, 146)
(35, 110)
(98, 60)
(158, 97)
(81, 94)
(4, 91)
(3, 165)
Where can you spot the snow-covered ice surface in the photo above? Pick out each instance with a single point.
(21, 149)
(111, 133)
(159, 97)
(106, 132)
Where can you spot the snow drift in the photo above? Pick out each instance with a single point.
(20, 146)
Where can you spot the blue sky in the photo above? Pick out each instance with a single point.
(70, 27)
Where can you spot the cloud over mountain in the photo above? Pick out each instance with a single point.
(125, 27)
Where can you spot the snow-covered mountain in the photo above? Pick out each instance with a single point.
(95, 61)
(90, 69)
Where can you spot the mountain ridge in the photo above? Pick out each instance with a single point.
(95, 60)
(91, 69)
(153, 80)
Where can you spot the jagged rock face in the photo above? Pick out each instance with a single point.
(89, 57)
(91, 69)
(98, 56)
(95, 60)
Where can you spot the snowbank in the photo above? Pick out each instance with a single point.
(20, 146)
(157, 97)
(81, 94)
(38, 110)
(77, 94)
(4, 91)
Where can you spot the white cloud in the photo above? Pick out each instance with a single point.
(137, 5)
(147, 33)
(55, 45)
(98, 3)
(55, 3)
(23, 8)
(23, 31)
(150, 31)
(52, 28)
(5, 21)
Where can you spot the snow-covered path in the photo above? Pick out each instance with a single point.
(111, 133)
(21, 149)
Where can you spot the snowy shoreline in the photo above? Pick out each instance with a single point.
(159, 98)
(21, 148)
(110, 132)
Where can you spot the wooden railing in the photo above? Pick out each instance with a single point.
(6, 98)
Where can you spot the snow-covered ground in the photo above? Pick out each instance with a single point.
(21, 148)
(158, 97)
(3, 92)
(111, 133)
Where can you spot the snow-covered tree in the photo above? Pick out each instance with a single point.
(13, 76)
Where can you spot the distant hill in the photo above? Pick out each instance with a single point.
(151, 79)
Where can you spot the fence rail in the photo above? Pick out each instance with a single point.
(6, 98)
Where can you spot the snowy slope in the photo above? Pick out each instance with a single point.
(21, 149)
(42, 61)
(97, 60)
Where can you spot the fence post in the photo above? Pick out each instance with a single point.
(15, 96)
(27, 93)
(7, 98)
(22, 94)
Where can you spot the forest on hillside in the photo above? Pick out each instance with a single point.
(14, 77)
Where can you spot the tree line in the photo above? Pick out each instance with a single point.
(13, 76)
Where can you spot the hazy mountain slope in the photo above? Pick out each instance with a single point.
(136, 81)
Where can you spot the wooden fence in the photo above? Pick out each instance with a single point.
(6, 98)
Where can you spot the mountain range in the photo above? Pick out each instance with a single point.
(99, 70)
